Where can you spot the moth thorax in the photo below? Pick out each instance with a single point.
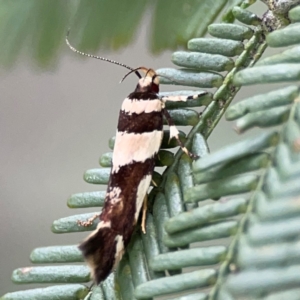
(148, 84)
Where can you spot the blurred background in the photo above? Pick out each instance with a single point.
(59, 110)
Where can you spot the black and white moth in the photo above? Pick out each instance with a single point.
(138, 139)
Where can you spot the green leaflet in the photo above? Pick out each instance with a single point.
(56, 254)
(60, 292)
(54, 274)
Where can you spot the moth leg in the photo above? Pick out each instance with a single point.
(88, 222)
(153, 182)
(89, 295)
(143, 225)
(181, 98)
(175, 133)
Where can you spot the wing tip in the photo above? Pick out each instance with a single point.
(102, 250)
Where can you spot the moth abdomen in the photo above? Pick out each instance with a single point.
(126, 191)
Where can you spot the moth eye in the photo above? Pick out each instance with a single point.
(155, 87)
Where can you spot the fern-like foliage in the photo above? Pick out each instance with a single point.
(258, 176)
(40, 26)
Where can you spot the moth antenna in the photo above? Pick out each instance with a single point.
(98, 57)
(133, 70)
(149, 70)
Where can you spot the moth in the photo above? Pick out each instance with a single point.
(138, 139)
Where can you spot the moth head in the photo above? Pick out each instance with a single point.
(148, 83)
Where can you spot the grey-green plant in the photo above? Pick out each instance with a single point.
(250, 188)
(36, 29)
